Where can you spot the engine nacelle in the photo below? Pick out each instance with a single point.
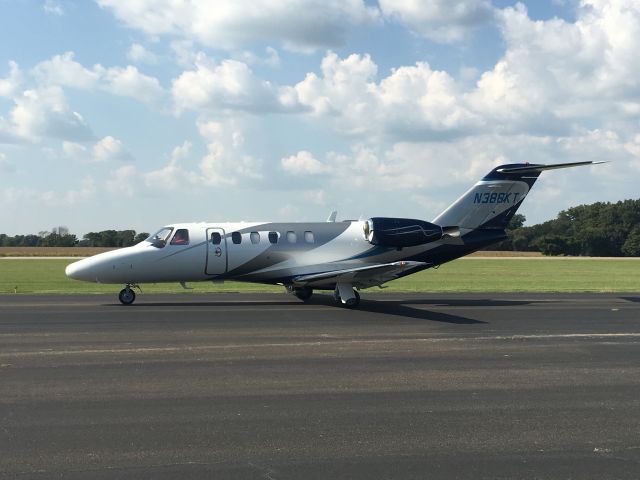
(402, 232)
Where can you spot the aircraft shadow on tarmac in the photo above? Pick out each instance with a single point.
(405, 310)
(399, 308)
(631, 299)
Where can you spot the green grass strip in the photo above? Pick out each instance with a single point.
(465, 275)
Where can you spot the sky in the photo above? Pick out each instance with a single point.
(117, 114)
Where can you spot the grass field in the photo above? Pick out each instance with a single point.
(464, 275)
(51, 251)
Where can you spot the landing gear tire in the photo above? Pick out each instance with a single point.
(303, 293)
(351, 303)
(127, 296)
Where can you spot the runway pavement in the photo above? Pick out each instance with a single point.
(266, 387)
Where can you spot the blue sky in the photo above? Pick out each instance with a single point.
(119, 114)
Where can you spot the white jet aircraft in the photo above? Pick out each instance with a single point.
(342, 257)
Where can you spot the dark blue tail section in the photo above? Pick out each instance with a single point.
(492, 202)
(484, 211)
(516, 173)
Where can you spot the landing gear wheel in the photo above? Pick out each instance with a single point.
(351, 303)
(127, 296)
(303, 293)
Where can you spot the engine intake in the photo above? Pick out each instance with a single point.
(403, 232)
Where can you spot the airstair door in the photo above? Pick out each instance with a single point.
(216, 252)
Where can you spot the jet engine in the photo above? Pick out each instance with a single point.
(404, 232)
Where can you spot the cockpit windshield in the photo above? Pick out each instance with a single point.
(159, 239)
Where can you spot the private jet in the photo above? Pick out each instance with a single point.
(342, 257)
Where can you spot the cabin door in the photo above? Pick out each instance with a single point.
(216, 252)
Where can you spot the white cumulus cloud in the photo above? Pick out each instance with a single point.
(300, 25)
(52, 7)
(303, 163)
(555, 73)
(64, 70)
(173, 175)
(412, 101)
(362, 167)
(108, 149)
(10, 85)
(228, 85)
(44, 112)
(123, 181)
(129, 82)
(139, 54)
(226, 163)
(555, 77)
(85, 192)
(444, 21)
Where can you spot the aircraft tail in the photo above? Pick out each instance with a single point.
(491, 203)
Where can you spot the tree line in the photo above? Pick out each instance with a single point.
(60, 237)
(602, 229)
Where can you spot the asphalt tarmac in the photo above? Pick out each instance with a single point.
(265, 387)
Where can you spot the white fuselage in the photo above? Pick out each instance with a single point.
(301, 248)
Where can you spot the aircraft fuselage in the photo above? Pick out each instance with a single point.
(248, 251)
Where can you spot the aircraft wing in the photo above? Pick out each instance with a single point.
(362, 277)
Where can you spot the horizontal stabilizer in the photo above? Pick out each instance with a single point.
(540, 168)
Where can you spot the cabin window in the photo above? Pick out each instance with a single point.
(216, 238)
(308, 237)
(181, 237)
(255, 237)
(292, 237)
(273, 237)
(236, 238)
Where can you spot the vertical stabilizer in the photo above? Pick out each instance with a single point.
(492, 202)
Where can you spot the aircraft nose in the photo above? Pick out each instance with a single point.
(80, 270)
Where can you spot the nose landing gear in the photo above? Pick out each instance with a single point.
(127, 296)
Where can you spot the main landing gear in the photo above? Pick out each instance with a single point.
(303, 293)
(127, 296)
(346, 295)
